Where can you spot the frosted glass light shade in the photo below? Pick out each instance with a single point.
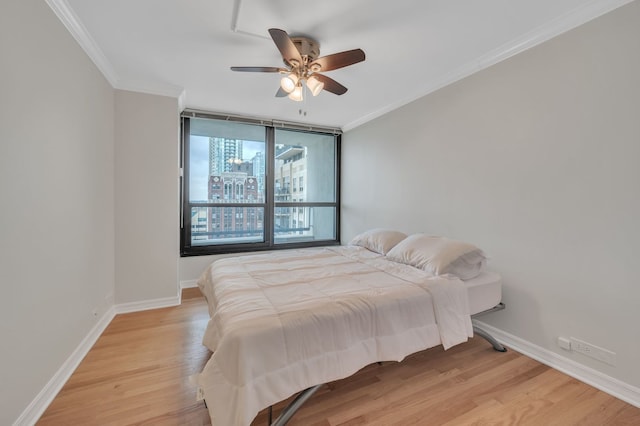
(288, 82)
(296, 94)
(315, 85)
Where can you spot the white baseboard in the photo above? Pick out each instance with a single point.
(605, 383)
(145, 305)
(188, 284)
(34, 410)
(40, 403)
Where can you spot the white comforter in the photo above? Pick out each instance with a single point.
(282, 322)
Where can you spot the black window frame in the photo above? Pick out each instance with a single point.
(270, 205)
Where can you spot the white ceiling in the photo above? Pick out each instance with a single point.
(413, 47)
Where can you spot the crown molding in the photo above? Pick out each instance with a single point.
(182, 101)
(71, 21)
(579, 16)
(152, 89)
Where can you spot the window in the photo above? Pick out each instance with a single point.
(238, 181)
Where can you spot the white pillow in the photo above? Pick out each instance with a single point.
(468, 265)
(378, 240)
(439, 255)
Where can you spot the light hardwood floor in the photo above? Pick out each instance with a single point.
(138, 374)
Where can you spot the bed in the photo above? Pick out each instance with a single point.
(289, 321)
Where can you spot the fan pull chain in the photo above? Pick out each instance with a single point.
(303, 111)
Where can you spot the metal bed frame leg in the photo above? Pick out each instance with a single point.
(489, 338)
(294, 406)
(485, 335)
(303, 396)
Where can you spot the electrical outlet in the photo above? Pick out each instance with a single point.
(199, 394)
(564, 343)
(593, 351)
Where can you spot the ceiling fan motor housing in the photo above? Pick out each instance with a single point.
(301, 56)
(307, 47)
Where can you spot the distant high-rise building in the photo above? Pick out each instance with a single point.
(229, 222)
(243, 167)
(233, 180)
(216, 156)
(259, 170)
(199, 222)
(289, 185)
(223, 154)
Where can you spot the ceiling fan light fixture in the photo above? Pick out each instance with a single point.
(289, 82)
(303, 64)
(315, 85)
(296, 94)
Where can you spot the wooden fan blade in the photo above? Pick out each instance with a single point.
(281, 93)
(257, 69)
(286, 47)
(330, 85)
(339, 60)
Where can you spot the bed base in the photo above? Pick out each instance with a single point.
(484, 334)
(303, 396)
(293, 406)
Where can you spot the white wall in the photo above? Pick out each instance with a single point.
(536, 160)
(75, 234)
(190, 268)
(57, 195)
(147, 197)
(533, 159)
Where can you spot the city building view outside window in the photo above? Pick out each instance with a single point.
(249, 187)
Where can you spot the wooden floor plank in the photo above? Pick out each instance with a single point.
(138, 373)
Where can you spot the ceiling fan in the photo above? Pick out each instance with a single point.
(300, 56)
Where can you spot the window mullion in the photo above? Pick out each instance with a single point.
(305, 204)
(186, 208)
(270, 137)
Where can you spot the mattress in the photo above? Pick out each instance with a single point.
(285, 321)
(484, 291)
